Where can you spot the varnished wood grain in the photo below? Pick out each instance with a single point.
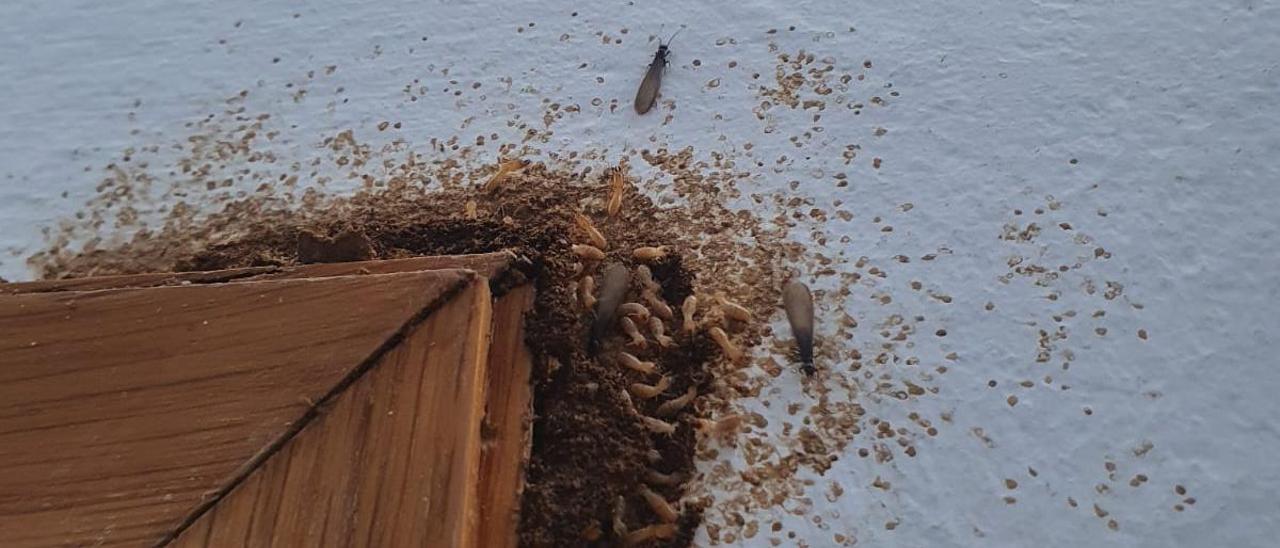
(122, 410)
(508, 416)
(394, 461)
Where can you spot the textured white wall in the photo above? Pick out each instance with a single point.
(1171, 108)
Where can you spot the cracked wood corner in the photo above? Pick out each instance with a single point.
(271, 409)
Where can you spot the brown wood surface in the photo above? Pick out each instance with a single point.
(394, 461)
(121, 411)
(489, 265)
(508, 419)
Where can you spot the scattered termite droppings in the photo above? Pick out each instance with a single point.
(1142, 334)
(875, 163)
(1010, 483)
(941, 332)
(1113, 525)
(1088, 411)
(721, 338)
(588, 252)
(659, 505)
(688, 309)
(635, 364)
(1180, 490)
(1013, 400)
(649, 253)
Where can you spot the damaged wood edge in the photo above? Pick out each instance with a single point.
(247, 469)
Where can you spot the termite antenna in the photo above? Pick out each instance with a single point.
(674, 35)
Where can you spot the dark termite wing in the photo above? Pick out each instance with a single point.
(612, 291)
(648, 92)
(798, 303)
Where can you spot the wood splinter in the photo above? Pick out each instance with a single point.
(635, 364)
(659, 505)
(644, 391)
(731, 351)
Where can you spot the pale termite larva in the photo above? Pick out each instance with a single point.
(659, 505)
(628, 402)
(504, 169)
(664, 531)
(649, 253)
(674, 406)
(636, 310)
(633, 363)
(619, 510)
(471, 209)
(645, 392)
(629, 327)
(658, 426)
(587, 292)
(659, 331)
(616, 188)
(733, 310)
(647, 283)
(657, 478)
(725, 426)
(588, 252)
(584, 223)
(658, 305)
(730, 350)
(689, 307)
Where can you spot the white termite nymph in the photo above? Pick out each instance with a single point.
(635, 364)
(671, 407)
(629, 327)
(588, 252)
(733, 310)
(649, 253)
(659, 505)
(688, 309)
(645, 391)
(653, 477)
(659, 306)
(663, 531)
(731, 351)
(587, 292)
(658, 426)
(635, 310)
(659, 331)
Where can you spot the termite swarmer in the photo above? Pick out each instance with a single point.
(648, 92)
(798, 302)
(616, 280)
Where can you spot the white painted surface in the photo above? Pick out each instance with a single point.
(1172, 109)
